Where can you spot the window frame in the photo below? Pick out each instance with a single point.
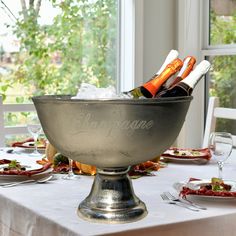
(211, 50)
(130, 48)
(218, 49)
(193, 33)
(129, 53)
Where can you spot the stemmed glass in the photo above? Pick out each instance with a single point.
(34, 128)
(220, 145)
(70, 174)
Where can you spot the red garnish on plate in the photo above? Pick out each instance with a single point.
(144, 169)
(4, 161)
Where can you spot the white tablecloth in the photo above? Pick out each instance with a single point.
(51, 208)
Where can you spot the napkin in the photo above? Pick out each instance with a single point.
(187, 153)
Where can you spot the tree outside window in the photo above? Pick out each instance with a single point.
(78, 45)
(223, 74)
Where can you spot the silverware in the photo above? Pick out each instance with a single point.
(181, 204)
(7, 150)
(42, 180)
(184, 200)
(10, 151)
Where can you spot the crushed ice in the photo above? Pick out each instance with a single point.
(89, 91)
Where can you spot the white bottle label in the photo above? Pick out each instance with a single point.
(173, 54)
(185, 65)
(200, 70)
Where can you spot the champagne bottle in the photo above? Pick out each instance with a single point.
(186, 86)
(172, 55)
(150, 88)
(188, 64)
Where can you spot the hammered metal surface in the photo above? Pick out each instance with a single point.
(111, 133)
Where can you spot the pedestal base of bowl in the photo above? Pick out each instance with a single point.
(112, 199)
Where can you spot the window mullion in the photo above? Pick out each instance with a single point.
(204, 25)
(219, 52)
(126, 45)
(131, 44)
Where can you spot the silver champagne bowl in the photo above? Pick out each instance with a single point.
(111, 135)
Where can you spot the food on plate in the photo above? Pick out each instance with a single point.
(50, 152)
(60, 164)
(60, 159)
(144, 169)
(86, 169)
(18, 171)
(14, 165)
(215, 187)
(29, 143)
(187, 153)
(218, 185)
(4, 161)
(43, 161)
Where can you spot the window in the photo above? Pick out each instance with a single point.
(220, 48)
(200, 35)
(55, 54)
(78, 41)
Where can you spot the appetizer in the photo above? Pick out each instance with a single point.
(215, 187)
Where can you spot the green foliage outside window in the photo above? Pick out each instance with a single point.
(80, 46)
(223, 73)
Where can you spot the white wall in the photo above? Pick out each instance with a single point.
(168, 25)
(159, 28)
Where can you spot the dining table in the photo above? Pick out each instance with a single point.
(50, 209)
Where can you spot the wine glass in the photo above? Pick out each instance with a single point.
(220, 145)
(70, 174)
(34, 128)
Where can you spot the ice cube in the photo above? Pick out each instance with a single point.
(89, 91)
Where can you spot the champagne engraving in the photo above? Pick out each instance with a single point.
(87, 122)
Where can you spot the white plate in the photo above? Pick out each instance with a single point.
(30, 150)
(15, 178)
(197, 183)
(186, 160)
(204, 197)
(29, 146)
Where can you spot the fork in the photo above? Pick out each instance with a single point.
(184, 200)
(182, 204)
